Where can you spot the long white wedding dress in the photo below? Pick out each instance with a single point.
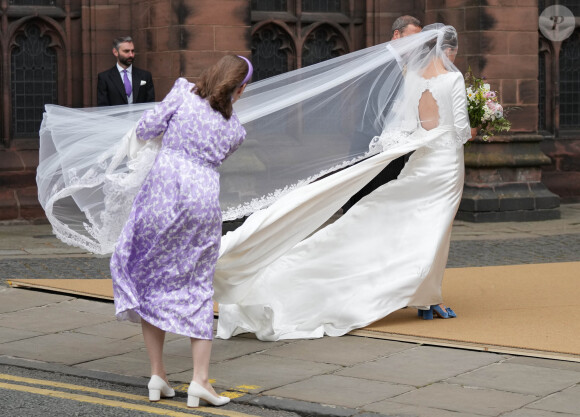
(387, 252)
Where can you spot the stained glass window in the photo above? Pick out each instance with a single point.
(270, 5)
(33, 2)
(570, 82)
(319, 47)
(542, 92)
(33, 68)
(321, 5)
(268, 55)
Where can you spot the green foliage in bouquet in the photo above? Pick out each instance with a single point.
(485, 111)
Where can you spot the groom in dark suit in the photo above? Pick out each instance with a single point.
(403, 26)
(124, 83)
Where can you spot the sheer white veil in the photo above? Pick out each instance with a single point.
(300, 125)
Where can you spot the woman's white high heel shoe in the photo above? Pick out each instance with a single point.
(159, 388)
(196, 391)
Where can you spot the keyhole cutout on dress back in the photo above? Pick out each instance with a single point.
(428, 111)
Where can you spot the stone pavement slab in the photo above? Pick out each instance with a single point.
(51, 318)
(340, 390)
(10, 335)
(68, 348)
(544, 363)
(421, 365)
(222, 350)
(12, 299)
(566, 401)
(264, 372)
(528, 412)
(136, 363)
(391, 408)
(522, 379)
(450, 397)
(344, 351)
(112, 330)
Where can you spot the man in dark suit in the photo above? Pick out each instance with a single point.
(124, 83)
(403, 26)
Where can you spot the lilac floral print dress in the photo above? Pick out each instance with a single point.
(164, 261)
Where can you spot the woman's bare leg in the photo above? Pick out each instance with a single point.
(201, 353)
(154, 338)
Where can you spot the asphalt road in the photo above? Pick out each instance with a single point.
(33, 393)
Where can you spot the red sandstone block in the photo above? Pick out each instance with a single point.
(440, 5)
(161, 64)
(509, 92)
(10, 161)
(470, 43)
(29, 159)
(505, 3)
(110, 17)
(528, 3)
(528, 92)
(193, 62)
(511, 66)
(142, 17)
(30, 207)
(461, 63)
(453, 17)
(163, 86)
(494, 42)
(395, 6)
(159, 39)
(215, 12)
(17, 179)
(564, 184)
(8, 204)
(190, 38)
(522, 43)
(473, 18)
(435, 4)
(232, 38)
(524, 119)
(162, 14)
(512, 18)
(104, 42)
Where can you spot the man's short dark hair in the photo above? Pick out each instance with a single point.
(118, 41)
(402, 22)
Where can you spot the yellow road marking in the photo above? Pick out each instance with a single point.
(92, 400)
(110, 393)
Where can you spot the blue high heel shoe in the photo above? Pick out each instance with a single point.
(435, 310)
(450, 312)
(426, 314)
(440, 312)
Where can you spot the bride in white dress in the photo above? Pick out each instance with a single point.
(387, 252)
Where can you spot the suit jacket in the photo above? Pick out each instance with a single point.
(111, 90)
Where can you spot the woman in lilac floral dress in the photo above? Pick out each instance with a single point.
(165, 258)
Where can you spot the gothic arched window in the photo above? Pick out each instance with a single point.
(33, 69)
(270, 49)
(322, 44)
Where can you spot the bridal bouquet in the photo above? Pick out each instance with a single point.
(483, 107)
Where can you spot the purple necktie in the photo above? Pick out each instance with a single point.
(127, 83)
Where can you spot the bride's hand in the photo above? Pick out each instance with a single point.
(474, 131)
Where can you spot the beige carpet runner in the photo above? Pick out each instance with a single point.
(531, 310)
